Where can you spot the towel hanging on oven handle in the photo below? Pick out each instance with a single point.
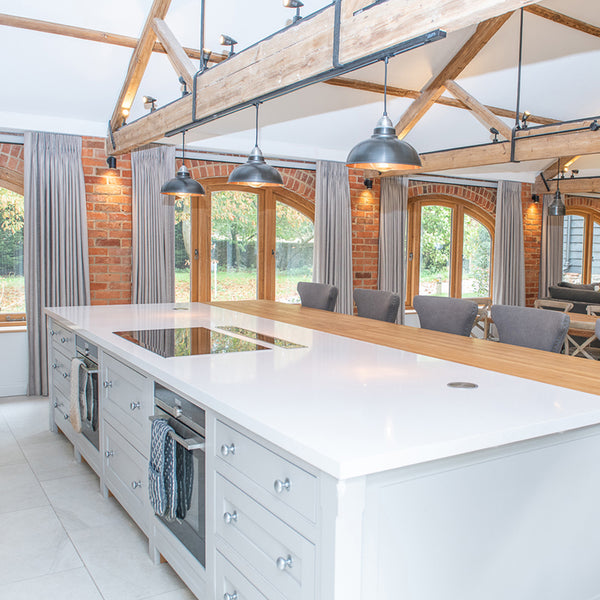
(190, 444)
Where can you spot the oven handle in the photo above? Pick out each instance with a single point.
(190, 444)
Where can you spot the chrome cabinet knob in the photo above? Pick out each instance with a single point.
(63, 340)
(52, 332)
(230, 517)
(136, 484)
(282, 485)
(178, 411)
(109, 453)
(66, 417)
(134, 405)
(233, 596)
(54, 366)
(65, 375)
(55, 404)
(227, 450)
(107, 384)
(284, 563)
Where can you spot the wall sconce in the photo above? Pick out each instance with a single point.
(225, 40)
(535, 198)
(294, 4)
(206, 55)
(184, 90)
(526, 116)
(111, 161)
(495, 133)
(149, 103)
(368, 183)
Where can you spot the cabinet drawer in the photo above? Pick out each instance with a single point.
(60, 368)
(279, 553)
(232, 584)
(128, 398)
(61, 338)
(125, 472)
(281, 478)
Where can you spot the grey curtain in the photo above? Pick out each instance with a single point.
(551, 252)
(153, 269)
(509, 257)
(333, 232)
(56, 247)
(393, 219)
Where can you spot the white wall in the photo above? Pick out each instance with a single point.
(13, 363)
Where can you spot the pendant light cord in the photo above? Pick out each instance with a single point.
(256, 125)
(387, 58)
(517, 116)
(558, 179)
(183, 148)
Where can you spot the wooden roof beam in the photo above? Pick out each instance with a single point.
(280, 60)
(12, 180)
(584, 141)
(570, 185)
(177, 57)
(138, 63)
(435, 88)
(565, 20)
(377, 88)
(481, 112)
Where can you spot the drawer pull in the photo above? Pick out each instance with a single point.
(65, 375)
(66, 416)
(227, 450)
(63, 340)
(230, 517)
(136, 484)
(55, 404)
(282, 485)
(233, 596)
(134, 405)
(107, 384)
(284, 563)
(54, 366)
(52, 332)
(109, 453)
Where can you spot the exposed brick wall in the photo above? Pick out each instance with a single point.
(108, 198)
(484, 198)
(11, 157)
(532, 236)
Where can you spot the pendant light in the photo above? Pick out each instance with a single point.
(255, 172)
(383, 151)
(182, 184)
(556, 208)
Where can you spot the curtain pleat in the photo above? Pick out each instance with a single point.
(509, 257)
(393, 219)
(56, 246)
(333, 232)
(153, 269)
(551, 254)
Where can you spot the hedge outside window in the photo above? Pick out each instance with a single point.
(238, 243)
(449, 249)
(581, 245)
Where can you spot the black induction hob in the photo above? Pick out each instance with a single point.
(188, 341)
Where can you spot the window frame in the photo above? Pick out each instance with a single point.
(590, 216)
(201, 207)
(459, 208)
(12, 181)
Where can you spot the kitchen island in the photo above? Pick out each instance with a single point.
(406, 487)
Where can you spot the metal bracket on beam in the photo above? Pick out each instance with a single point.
(545, 182)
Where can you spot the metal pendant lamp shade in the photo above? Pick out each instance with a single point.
(182, 184)
(383, 151)
(557, 208)
(255, 172)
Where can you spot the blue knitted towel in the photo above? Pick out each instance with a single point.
(162, 480)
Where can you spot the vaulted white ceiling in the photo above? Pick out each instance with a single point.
(56, 83)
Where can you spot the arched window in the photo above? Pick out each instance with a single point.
(238, 243)
(449, 249)
(581, 245)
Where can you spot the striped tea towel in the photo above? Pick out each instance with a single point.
(75, 407)
(185, 481)
(162, 481)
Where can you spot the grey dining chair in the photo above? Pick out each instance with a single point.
(450, 315)
(317, 295)
(377, 304)
(531, 327)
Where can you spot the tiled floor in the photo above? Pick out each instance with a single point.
(59, 537)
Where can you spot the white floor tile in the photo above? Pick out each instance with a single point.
(117, 558)
(80, 505)
(176, 595)
(75, 584)
(54, 459)
(34, 544)
(19, 489)
(10, 452)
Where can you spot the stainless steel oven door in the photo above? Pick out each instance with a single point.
(190, 529)
(89, 427)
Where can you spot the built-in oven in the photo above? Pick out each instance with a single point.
(88, 388)
(188, 423)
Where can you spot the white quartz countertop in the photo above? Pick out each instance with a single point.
(348, 408)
